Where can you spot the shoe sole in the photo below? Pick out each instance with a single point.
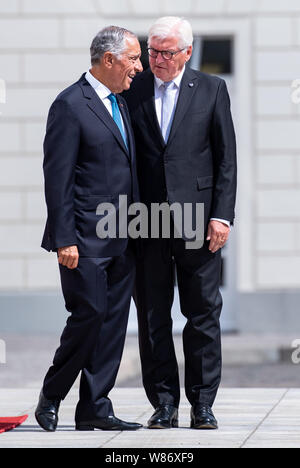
(164, 426)
(85, 428)
(204, 426)
(92, 428)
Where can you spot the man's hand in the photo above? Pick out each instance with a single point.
(68, 256)
(217, 234)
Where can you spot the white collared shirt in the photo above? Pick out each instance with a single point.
(158, 93)
(103, 93)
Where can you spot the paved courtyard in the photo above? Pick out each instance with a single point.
(248, 418)
(258, 404)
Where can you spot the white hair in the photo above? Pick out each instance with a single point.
(172, 26)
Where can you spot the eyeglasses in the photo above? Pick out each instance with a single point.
(166, 54)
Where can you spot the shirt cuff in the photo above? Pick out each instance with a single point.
(224, 221)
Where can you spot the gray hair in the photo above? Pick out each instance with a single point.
(111, 39)
(172, 26)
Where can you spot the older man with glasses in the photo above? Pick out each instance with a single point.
(186, 153)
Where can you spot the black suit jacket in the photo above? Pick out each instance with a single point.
(86, 163)
(198, 164)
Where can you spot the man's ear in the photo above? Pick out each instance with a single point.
(189, 52)
(108, 59)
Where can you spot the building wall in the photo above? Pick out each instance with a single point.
(44, 48)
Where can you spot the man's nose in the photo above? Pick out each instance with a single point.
(138, 66)
(159, 59)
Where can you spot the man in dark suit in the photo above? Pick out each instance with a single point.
(186, 153)
(90, 159)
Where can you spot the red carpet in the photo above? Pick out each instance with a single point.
(7, 424)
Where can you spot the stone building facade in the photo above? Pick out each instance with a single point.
(44, 47)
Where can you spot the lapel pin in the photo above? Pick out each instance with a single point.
(191, 85)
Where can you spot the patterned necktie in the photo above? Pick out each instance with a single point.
(167, 111)
(117, 116)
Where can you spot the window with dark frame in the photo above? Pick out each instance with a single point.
(217, 56)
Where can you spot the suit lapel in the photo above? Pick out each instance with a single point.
(189, 85)
(97, 106)
(148, 102)
(127, 125)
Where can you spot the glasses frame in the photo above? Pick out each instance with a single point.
(163, 52)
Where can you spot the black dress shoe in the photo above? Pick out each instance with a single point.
(202, 417)
(164, 417)
(111, 423)
(46, 413)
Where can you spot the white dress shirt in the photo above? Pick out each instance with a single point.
(159, 92)
(158, 96)
(103, 93)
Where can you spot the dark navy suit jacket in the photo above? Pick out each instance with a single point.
(86, 163)
(198, 163)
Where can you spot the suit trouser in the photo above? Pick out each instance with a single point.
(98, 294)
(198, 275)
